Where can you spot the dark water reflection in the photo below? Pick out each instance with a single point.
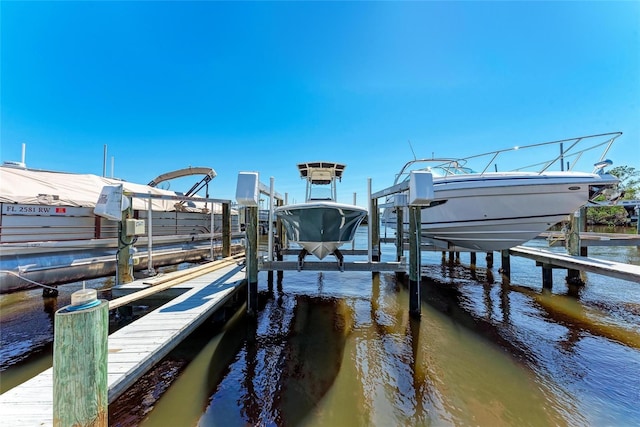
(340, 349)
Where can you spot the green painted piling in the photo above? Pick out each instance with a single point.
(414, 260)
(80, 389)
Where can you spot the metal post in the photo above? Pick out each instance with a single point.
(415, 221)
(252, 259)
(226, 229)
(80, 388)
(637, 210)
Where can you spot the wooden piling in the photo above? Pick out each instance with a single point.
(472, 259)
(125, 254)
(489, 259)
(415, 213)
(226, 229)
(399, 238)
(80, 389)
(252, 259)
(574, 245)
(375, 230)
(547, 276)
(505, 262)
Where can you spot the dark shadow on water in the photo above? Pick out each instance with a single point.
(288, 358)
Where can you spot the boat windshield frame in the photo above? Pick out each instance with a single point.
(569, 150)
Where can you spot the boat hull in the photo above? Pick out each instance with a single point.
(500, 211)
(321, 227)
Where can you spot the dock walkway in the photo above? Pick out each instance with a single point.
(133, 350)
(589, 264)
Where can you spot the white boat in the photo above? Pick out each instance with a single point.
(50, 235)
(492, 211)
(321, 224)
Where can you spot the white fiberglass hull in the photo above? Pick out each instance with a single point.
(321, 227)
(492, 212)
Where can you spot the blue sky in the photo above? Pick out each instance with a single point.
(261, 86)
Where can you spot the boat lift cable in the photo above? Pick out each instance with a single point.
(13, 273)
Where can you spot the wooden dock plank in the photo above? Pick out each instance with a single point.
(133, 350)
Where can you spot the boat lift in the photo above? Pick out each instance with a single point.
(248, 192)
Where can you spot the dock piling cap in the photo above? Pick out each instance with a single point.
(83, 298)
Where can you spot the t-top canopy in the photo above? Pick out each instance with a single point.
(321, 173)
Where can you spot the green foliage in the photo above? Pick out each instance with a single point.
(629, 181)
(616, 215)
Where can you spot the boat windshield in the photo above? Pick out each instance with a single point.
(320, 192)
(437, 167)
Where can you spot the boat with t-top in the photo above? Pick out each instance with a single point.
(321, 225)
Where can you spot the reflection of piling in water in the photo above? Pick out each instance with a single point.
(313, 356)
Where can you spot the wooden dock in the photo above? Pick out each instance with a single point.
(557, 238)
(134, 349)
(572, 262)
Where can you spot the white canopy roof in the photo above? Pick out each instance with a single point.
(26, 186)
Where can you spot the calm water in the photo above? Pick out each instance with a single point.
(340, 349)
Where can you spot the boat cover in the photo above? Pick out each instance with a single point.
(26, 186)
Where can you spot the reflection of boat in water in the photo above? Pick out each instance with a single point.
(321, 225)
(50, 234)
(490, 211)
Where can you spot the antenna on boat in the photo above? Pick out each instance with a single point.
(411, 146)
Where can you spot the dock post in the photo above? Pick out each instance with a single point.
(415, 213)
(375, 230)
(226, 229)
(80, 388)
(125, 254)
(547, 276)
(472, 260)
(281, 240)
(489, 259)
(270, 227)
(252, 259)
(574, 246)
(399, 238)
(420, 194)
(505, 263)
(248, 195)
